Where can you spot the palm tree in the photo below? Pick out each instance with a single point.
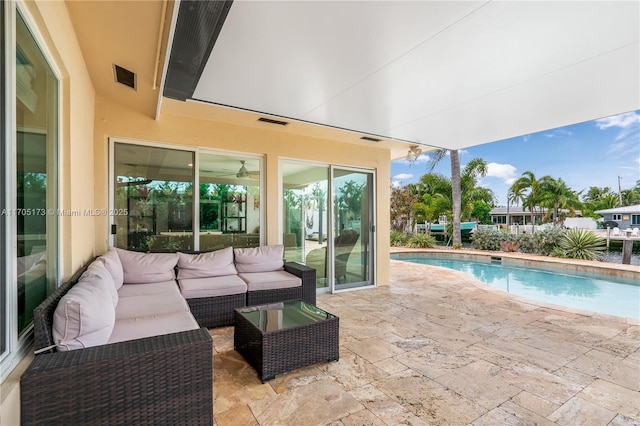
(456, 191)
(596, 193)
(631, 196)
(464, 191)
(526, 189)
(456, 195)
(555, 193)
(470, 192)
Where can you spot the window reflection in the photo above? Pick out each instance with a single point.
(36, 175)
(229, 202)
(154, 189)
(153, 198)
(305, 214)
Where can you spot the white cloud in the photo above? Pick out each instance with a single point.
(403, 176)
(506, 172)
(625, 143)
(556, 133)
(396, 183)
(623, 121)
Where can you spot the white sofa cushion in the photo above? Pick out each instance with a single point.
(85, 315)
(97, 271)
(260, 259)
(138, 328)
(193, 288)
(212, 264)
(139, 268)
(150, 305)
(170, 288)
(112, 262)
(270, 280)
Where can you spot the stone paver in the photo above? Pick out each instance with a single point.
(437, 347)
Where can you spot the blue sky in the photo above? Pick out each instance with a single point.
(593, 153)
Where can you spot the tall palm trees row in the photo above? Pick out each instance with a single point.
(461, 198)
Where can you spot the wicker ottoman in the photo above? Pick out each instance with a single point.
(281, 337)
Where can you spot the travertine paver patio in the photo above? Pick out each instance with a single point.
(437, 348)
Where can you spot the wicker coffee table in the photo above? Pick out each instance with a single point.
(281, 337)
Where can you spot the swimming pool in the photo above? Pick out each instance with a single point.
(589, 292)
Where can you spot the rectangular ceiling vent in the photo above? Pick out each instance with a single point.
(272, 121)
(124, 76)
(370, 139)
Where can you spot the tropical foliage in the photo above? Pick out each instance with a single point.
(579, 244)
(421, 240)
(485, 239)
(398, 239)
(435, 195)
(541, 242)
(432, 198)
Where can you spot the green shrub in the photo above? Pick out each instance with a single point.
(485, 239)
(579, 244)
(541, 242)
(421, 241)
(399, 239)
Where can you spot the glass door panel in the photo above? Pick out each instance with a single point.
(305, 217)
(229, 202)
(36, 215)
(153, 198)
(353, 228)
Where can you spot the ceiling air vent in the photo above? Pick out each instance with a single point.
(370, 139)
(124, 76)
(272, 121)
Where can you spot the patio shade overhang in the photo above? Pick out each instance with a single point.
(434, 73)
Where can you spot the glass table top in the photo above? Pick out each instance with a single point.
(278, 316)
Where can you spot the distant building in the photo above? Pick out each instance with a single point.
(625, 217)
(521, 215)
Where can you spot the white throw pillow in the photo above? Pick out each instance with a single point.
(213, 264)
(144, 268)
(260, 259)
(85, 316)
(112, 262)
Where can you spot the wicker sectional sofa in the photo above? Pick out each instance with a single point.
(125, 339)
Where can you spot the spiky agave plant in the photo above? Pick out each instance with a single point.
(580, 244)
(421, 241)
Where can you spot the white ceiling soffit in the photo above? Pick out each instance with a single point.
(449, 74)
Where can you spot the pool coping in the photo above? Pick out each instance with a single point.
(535, 261)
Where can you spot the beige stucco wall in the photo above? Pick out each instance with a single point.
(76, 176)
(115, 120)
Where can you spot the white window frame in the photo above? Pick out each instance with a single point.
(17, 348)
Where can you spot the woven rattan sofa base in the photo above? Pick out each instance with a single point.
(277, 352)
(216, 311)
(165, 379)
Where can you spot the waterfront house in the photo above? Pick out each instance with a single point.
(625, 217)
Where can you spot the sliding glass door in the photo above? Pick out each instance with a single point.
(353, 227)
(327, 222)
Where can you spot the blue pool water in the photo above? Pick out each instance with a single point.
(592, 293)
